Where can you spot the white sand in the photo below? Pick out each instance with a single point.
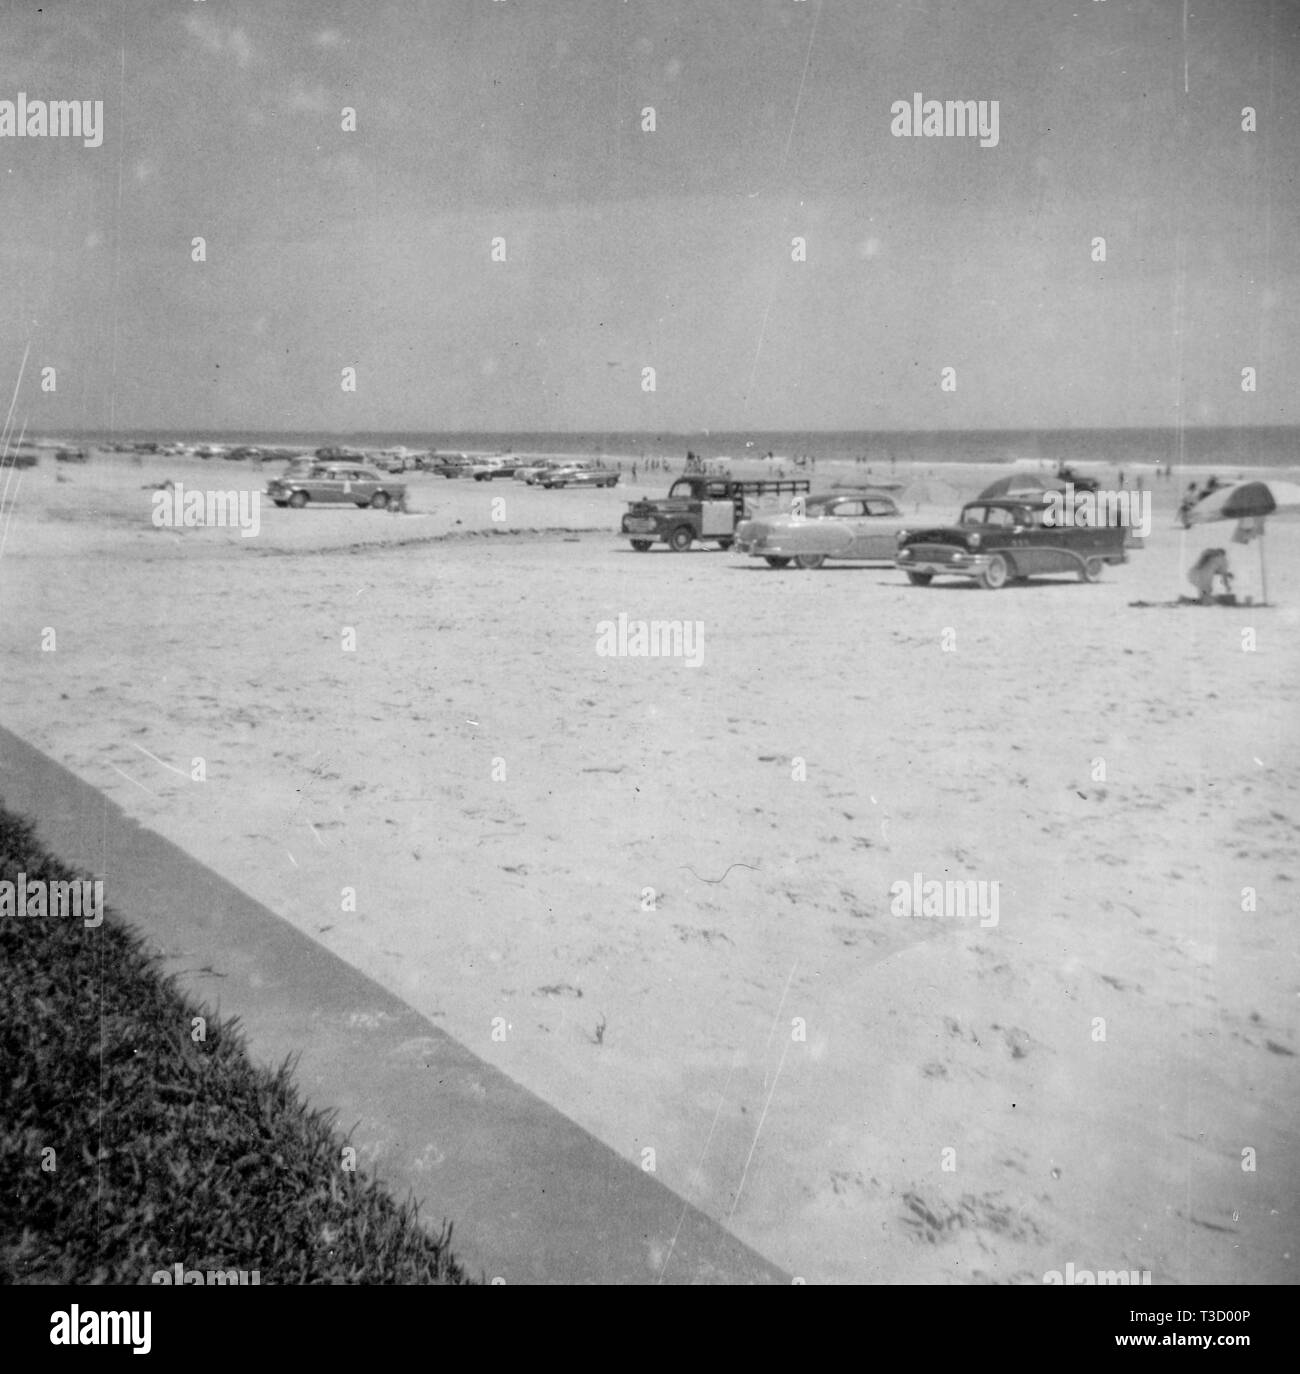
(521, 897)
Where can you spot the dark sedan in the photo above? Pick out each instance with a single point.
(1006, 539)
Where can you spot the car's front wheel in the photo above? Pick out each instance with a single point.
(642, 545)
(810, 560)
(1091, 570)
(298, 500)
(920, 579)
(379, 501)
(680, 539)
(996, 574)
(773, 561)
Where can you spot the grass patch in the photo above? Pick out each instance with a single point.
(165, 1151)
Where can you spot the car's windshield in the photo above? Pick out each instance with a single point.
(684, 487)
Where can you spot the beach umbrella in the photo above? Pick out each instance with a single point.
(1244, 500)
(1020, 484)
(1253, 501)
(929, 491)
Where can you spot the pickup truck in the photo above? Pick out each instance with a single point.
(698, 507)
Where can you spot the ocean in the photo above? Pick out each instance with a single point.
(1263, 446)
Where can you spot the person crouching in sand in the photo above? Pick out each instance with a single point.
(1211, 564)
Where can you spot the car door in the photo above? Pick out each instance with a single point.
(1048, 546)
(365, 484)
(836, 532)
(323, 485)
(1004, 534)
(341, 486)
(1039, 548)
(1013, 539)
(877, 531)
(718, 514)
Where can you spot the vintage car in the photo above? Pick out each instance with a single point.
(444, 464)
(700, 507)
(578, 475)
(334, 484)
(1007, 539)
(390, 460)
(340, 453)
(487, 469)
(535, 468)
(860, 525)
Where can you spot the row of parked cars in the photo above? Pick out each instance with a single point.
(338, 476)
(996, 538)
(545, 472)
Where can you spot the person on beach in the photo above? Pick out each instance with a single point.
(1190, 498)
(1211, 564)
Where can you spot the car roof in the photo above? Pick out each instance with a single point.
(1037, 498)
(850, 494)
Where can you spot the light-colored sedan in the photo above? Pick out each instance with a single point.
(579, 475)
(535, 468)
(488, 469)
(860, 526)
(326, 484)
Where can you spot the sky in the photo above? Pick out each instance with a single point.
(673, 249)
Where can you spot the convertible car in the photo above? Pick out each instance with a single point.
(860, 525)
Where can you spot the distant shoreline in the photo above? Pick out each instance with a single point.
(1206, 449)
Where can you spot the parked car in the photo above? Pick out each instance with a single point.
(487, 469)
(70, 455)
(699, 507)
(1006, 539)
(862, 525)
(1080, 482)
(332, 484)
(579, 475)
(340, 453)
(444, 464)
(533, 469)
(399, 459)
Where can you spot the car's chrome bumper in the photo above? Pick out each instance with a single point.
(959, 565)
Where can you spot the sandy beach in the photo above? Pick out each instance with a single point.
(671, 883)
